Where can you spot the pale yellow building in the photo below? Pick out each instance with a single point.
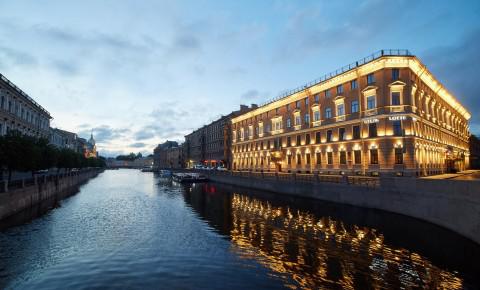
(385, 114)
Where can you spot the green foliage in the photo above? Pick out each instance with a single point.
(24, 153)
(130, 157)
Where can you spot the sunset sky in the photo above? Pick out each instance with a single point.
(140, 72)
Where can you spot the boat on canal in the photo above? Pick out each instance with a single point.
(189, 177)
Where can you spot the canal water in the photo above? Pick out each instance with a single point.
(132, 230)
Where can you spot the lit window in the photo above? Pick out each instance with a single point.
(354, 106)
(330, 158)
(329, 136)
(341, 134)
(398, 155)
(356, 132)
(372, 130)
(397, 128)
(357, 156)
(395, 98)
(353, 84)
(340, 110)
(298, 120)
(328, 113)
(343, 157)
(339, 89)
(373, 156)
(371, 102)
(395, 74)
(370, 79)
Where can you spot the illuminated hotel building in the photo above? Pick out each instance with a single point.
(385, 114)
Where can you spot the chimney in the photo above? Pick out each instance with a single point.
(254, 106)
(243, 108)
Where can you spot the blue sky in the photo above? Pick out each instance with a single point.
(141, 72)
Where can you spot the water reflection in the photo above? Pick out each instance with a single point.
(316, 244)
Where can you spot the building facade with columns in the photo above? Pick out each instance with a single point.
(18, 111)
(383, 115)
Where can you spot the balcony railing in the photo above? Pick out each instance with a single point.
(344, 69)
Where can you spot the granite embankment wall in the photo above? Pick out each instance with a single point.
(23, 194)
(452, 204)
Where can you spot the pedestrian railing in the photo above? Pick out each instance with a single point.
(364, 181)
(6, 186)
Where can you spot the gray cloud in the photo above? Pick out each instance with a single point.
(250, 94)
(138, 145)
(105, 133)
(10, 56)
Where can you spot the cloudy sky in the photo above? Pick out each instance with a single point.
(140, 72)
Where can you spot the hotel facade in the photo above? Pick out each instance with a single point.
(383, 115)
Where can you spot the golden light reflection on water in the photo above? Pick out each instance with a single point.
(325, 253)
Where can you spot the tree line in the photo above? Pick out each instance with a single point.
(24, 153)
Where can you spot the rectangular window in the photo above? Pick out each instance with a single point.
(288, 107)
(289, 123)
(317, 98)
(354, 106)
(297, 105)
(397, 128)
(316, 116)
(307, 158)
(318, 158)
(373, 156)
(327, 93)
(398, 155)
(395, 98)
(307, 119)
(370, 79)
(328, 113)
(343, 157)
(299, 140)
(298, 120)
(307, 139)
(371, 102)
(317, 137)
(341, 134)
(356, 132)
(329, 136)
(289, 159)
(306, 102)
(340, 110)
(339, 89)
(330, 158)
(395, 74)
(357, 156)
(299, 159)
(289, 141)
(353, 84)
(372, 130)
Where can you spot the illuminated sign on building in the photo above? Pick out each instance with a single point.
(369, 121)
(397, 118)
